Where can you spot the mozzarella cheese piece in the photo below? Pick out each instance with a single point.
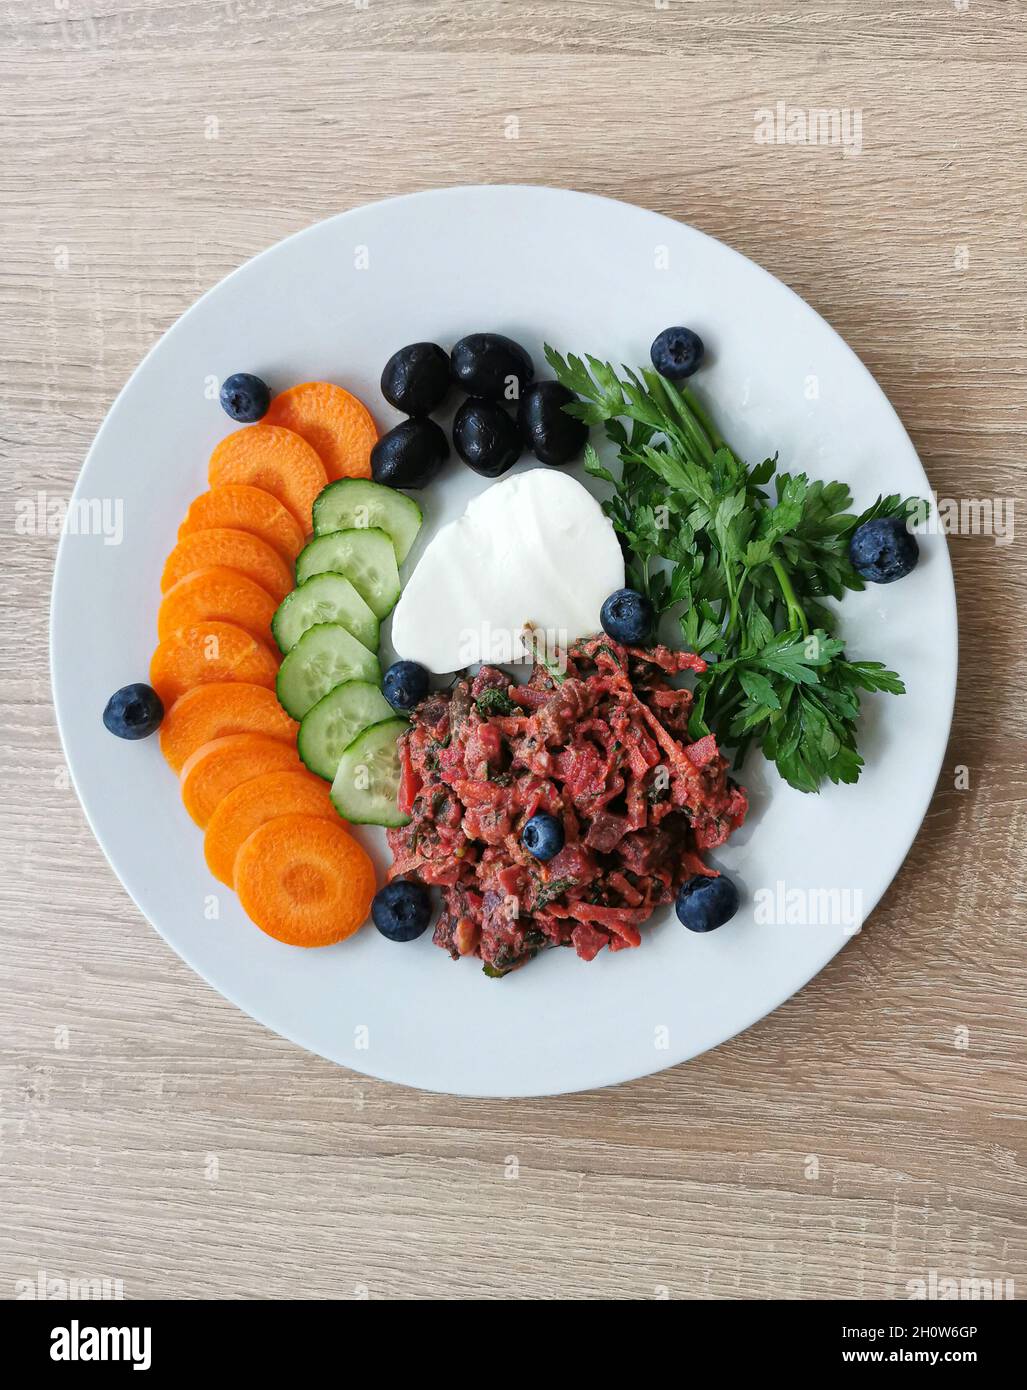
(532, 551)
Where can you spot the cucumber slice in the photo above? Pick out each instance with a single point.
(358, 503)
(334, 722)
(365, 557)
(324, 598)
(324, 657)
(367, 782)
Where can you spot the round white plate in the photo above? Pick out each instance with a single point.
(587, 275)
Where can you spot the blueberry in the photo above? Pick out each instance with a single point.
(543, 836)
(245, 397)
(704, 904)
(628, 616)
(410, 455)
(405, 684)
(486, 437)
(489, 365)
(134, 711)
(416, 379)
(402, 910)
(677, 353)
(551, 434)
(883, 550)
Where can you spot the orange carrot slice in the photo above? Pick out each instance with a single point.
(215, 711)
(335, 423)
(254, 802)
(236, 550)
(206, 653)
(245, 508)
(304, 880)
(218, 767)
(273, 458)
(217, 593)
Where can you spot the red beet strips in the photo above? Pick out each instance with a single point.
(606, 751)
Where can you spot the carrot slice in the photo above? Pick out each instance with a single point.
(245, 508)
(335, 423)
(215, 711)
(273, 458)
(304, 880)
(218, 767)
(208, 652)
(236, 550)
(218, 593)
(254, 802)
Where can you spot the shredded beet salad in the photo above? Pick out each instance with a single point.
(603, 746)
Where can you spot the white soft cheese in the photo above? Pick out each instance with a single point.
(534, 550)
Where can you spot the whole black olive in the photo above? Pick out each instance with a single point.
(416, 379)
(550, 433)
(486, 437)
(410, 455)
(489, 365)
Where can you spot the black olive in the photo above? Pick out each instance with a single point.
(489, 365)
(486, 437)
(416, 379)
(550, 433)
(410, 455)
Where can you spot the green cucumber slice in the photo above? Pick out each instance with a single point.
(365, 557)
(357, 503)
(324, 598)
(331, 726)
(367, 782)
(324, 657)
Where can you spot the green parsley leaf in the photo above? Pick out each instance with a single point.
(747, 568)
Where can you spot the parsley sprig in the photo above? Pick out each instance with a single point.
(747, 567)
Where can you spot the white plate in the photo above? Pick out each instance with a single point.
(588, 275)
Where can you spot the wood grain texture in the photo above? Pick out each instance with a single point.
(176, 1145)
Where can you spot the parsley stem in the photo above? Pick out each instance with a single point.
(796, 615)
(732, 596)
(692, 434)
(692, 401)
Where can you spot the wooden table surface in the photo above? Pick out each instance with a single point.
(872, 1128)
